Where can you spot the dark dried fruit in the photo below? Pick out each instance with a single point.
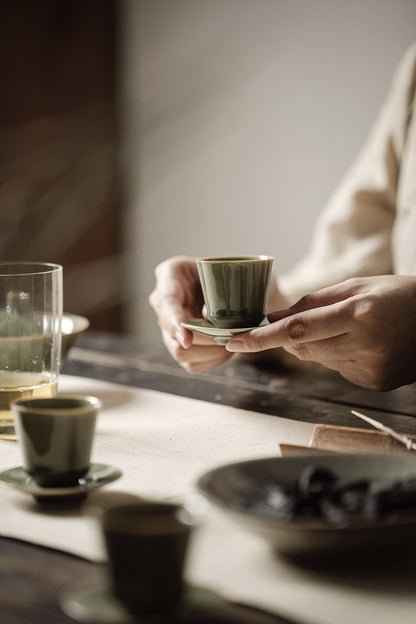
(315, 479)
(318, 493)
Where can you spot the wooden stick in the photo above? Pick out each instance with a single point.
(400, 437)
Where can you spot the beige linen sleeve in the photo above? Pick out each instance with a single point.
(352, 236)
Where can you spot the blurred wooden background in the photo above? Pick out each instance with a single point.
(60, 197)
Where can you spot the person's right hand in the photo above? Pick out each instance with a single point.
(177, 297)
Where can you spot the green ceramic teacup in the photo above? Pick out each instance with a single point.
(146, 543)
(56, 435)
(235, 289)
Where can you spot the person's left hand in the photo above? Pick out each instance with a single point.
(364, 328)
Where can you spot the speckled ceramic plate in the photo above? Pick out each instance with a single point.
(232, 487)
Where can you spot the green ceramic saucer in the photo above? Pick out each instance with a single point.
(219, 335)
(97, 476)
(72, 326)
(98, 604)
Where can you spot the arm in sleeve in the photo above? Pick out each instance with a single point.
(352, 236)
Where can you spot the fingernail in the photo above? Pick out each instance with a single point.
(180, 337)
(236, 346)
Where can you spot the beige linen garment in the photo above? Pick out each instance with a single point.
(369, 224)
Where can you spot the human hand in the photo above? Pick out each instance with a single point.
(177, 297)
(364, 328)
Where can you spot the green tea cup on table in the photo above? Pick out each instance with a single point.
(146, 544)
(55, 435)
(235, 289)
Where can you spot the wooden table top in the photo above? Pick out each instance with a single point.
(307, 393)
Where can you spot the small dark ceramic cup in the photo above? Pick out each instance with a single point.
(235, 289)
(55, 436)
(146, 545)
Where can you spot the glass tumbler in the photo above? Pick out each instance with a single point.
(30, 332)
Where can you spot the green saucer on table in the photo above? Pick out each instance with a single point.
(98, 604)
(97, 476)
